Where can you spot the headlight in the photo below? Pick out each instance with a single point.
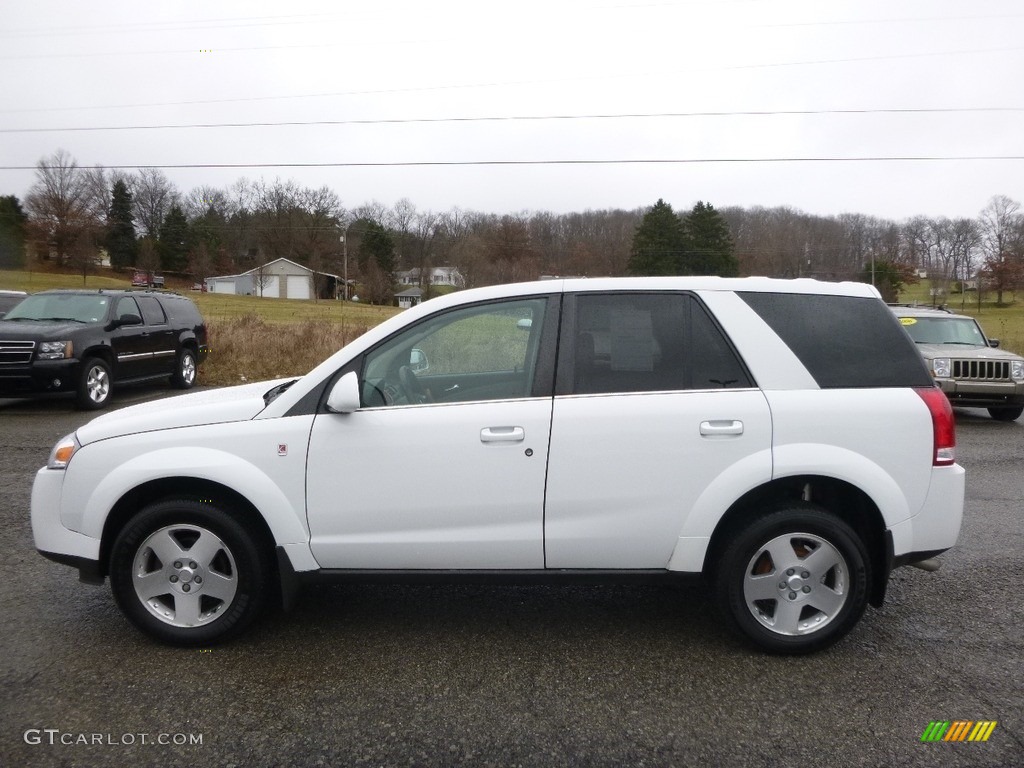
(62, 452)
(1017, 370)
(54, 350)
(942, 368)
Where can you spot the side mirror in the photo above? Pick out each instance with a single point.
(128, 319)
(344, 397)
(418, 360)
(993, 342)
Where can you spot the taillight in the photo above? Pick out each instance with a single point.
(943, 426)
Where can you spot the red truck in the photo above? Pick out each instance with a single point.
(144, 279)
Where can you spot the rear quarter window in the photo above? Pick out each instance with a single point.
(182, 311)
(843, 341)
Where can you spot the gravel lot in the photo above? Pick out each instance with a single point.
(437, 676)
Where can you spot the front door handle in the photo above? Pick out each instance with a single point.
(722, 427)
(502, 435)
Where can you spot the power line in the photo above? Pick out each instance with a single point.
(521, 118)
(520, 83)
(457, 163)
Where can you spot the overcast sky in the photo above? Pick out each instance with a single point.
(407, 84)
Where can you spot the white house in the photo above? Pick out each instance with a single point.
(435, 276)
(278, 279)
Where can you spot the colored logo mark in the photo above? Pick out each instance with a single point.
(959, 730)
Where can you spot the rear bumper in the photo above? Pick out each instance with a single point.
(936, 527)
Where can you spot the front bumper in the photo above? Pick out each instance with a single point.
(39, 376)
(982, 394)
(52, 539)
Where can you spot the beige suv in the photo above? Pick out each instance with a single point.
(967, 365)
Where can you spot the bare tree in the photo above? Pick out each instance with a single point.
(153, 194)
(149, 259)
(63, 205)
(1002, 237)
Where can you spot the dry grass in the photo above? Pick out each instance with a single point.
(248, 348)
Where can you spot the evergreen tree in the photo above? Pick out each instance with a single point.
(13, 221)
(173, 245)
(120, 241)
(377, 263)
(659, 243)
(709, 244)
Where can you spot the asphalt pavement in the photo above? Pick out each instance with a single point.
(514, 676)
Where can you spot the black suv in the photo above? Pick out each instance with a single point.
(86, 341)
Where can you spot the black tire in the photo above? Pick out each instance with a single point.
(185, 370)
(95, 384)
(1006, 414)
(797, 604)
(187, 573)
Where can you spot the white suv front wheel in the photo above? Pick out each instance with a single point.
(795, 580)
(187, 573)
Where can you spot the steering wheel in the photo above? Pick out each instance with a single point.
(414, 391)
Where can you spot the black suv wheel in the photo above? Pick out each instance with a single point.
(95, 384)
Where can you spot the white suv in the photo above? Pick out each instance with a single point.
(783, 439)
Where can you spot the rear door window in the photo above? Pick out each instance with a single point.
(644, 342)
(152, 312)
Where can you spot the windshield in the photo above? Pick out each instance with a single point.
(81, 308)
(944, 330)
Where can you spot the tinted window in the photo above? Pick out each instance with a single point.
(634, 342)
(182, 311)
(152, 312)
(126, 306)
(843, 341)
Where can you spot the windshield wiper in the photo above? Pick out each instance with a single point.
(63, 319)
(273, 392)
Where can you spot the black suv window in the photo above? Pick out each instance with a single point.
(635, 342)
(152, 312)
(83, 308)
(126, 305)
(843, 341)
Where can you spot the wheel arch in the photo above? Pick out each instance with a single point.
(187, 488)
(103, 352)
(843, 499)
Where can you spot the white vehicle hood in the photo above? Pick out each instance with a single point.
(214, 406)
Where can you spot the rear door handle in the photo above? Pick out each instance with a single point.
(722, 427)
(502, 435)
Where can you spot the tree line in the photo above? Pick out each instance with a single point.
(73, 215)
